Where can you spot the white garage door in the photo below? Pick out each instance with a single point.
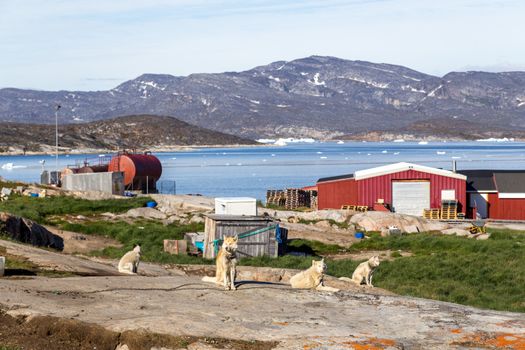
(410, 197)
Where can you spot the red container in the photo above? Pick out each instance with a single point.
(138, 169)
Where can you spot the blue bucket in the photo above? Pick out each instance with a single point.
(151, 204)
(200, 246)
(359, 235)
(34, 194)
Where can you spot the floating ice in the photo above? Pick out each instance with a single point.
(422, 143)
(385, 151)
(323, 157)
(441, 152)
(340, 142)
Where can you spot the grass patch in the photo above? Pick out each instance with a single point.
(487, 274)
(343, 225)
(149, 234)
(313, 247)
(17, 265)
(39, 209)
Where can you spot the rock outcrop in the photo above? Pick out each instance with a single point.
(27, 231)
(378, 220)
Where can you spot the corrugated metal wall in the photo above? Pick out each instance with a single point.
(371, 189)
(506, 208)
(334, 194)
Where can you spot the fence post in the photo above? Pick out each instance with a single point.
(147, 184)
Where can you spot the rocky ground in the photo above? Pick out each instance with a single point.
(90, 305)
(263, 313)
(182, 305)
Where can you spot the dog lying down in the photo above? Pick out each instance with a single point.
(364, 272)
(312, 278)
(226, 264)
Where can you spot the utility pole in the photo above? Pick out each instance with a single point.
(56, 139)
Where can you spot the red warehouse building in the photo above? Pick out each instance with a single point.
(496, 194)
(404, 187)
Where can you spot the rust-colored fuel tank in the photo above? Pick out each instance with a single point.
(140, 170)
(67, 171)
(93, 169)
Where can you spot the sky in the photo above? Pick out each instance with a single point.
(97, 44)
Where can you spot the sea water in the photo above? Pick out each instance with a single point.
(250, 171)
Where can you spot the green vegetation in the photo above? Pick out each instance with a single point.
(343, 225)
(487, 274)
(17, 265)
(9, 347)
(313, 247)
(149, 234)
(40, 209)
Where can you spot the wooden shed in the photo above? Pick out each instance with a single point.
(258, 235)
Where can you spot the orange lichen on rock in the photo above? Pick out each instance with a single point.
(493, 340)
(456, 331)
(371, 344)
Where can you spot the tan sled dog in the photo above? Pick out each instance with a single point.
(129, 263)
(312, 278)
(226, 264)
(364, 271)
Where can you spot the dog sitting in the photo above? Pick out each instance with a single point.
(129, 263)
(364, 271)
(312, 278)
(226, 264)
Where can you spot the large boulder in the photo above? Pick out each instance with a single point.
(147, 213)
(315, 215)
(379, 220)
(28, 231)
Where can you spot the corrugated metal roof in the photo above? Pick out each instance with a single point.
(510, 182)
(398, 167)
(335, 178)
(479, 180)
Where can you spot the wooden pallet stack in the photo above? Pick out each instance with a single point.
(276, 197)
(432, 214)
(313, 199)
(296, 197)
(449, 210)
(361, 208)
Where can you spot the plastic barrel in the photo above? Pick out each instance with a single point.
(200, 246)
(151, 204)
(359, 235)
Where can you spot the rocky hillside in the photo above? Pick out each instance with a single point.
(139, 132)
(315, 96)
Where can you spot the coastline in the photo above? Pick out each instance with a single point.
(163, 149)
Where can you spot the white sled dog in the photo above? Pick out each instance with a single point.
(364, 271)
(312, 278)
(129, 263)
(226, 264)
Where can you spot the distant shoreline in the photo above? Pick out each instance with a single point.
(165, 149)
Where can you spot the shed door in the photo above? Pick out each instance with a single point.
(410, 197)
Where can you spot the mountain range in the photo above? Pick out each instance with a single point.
(317, 96)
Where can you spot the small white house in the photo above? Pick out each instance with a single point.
(236, 206)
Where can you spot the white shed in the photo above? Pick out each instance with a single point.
(236, 206)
